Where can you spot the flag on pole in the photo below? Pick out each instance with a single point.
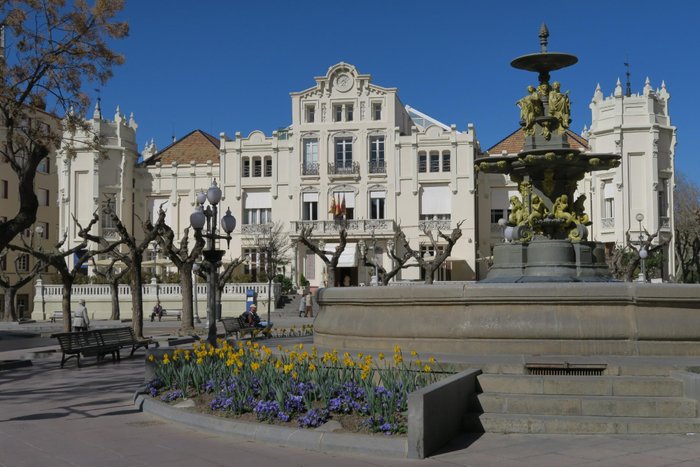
(332, 209)
(337, 207)
(342, 206)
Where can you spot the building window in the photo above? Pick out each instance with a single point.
(254, 264)
(5, 189)
(257, 167)
(662, 200)
(608, 201)
(344, 202)
(246, 167)
(257, 216)
(43, 196)
(434, 161)
(309, 208)
(105, 220)
(496, 215)
(310, 113)
(435, 202)
(343, 153)
(268, 167)
(376, 204)
(43, 166)
(446, 161)
(343, 112)
(43, 229)
(338, 113)
(310, 166)
(376, 155)
(23, 263)
(422, 162)
(377, 111)
(22, 303)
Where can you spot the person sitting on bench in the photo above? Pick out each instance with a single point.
(253, 319)
(157, 311)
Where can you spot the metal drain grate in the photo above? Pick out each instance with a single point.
(564, 369)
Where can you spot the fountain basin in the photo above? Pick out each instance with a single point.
(616, 318)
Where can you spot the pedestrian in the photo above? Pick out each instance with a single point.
(309, 305)
(81, 321)
(157, 311)
(302, 303)
(253, 319)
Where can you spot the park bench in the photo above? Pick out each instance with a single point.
(124, 337)
(58, 315)
(239, 327)
(87, 343)
(172, 313)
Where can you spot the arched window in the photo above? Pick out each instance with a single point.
(245, 167)
(422, 162)
(446, 165)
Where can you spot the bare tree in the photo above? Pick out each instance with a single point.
(183, 258)
(305, 237)
(442, 250)
(625, 259)
(50, 51)
(11, 288)
(113, 276)
(687, 230)
(273, 244)
(56, 258)
(133, 257)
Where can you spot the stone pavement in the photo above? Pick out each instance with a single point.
(85, 416)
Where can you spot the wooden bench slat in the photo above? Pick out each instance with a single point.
(99, 342)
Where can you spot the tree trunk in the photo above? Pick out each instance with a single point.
(10, 313)
(330, 271)
(429, 274)
(114, 289)
(65, 303)
(136, 296)
(187, 324)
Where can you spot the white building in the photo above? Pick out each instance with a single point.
(355, 143)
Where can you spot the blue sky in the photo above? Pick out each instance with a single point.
(230, 66)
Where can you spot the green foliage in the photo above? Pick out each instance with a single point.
(286, 282)
(302, 280)
(242, 278)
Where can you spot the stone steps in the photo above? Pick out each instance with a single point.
(527, 423)
(510, 403)
(582, 385)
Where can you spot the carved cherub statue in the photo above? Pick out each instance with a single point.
(560, 210)
(530, 108)
(538, 210)
(578, 209)
(517, 211)
(560, 106)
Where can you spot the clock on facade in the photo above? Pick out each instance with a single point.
(343, 82)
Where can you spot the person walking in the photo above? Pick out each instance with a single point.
(81, 321)
(302, 303)
(309, 305)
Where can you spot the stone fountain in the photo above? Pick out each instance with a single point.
(549, 291)
(547, 230)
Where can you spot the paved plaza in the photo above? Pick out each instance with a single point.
(85, 417)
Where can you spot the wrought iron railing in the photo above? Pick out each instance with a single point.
(378, 226)
(256, 229)
(435, 224)
(377, 167)
(310, 168)
(344, 168)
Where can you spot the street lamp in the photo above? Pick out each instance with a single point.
(195, 268)
(156, 250)
(39, 230)
(643, 253)
(212, 256)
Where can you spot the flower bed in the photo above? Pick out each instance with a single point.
(296, 386)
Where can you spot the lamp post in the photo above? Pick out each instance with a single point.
(155, 269)
(39, 229)
(643, 253)
(212, 256)
(195, 268)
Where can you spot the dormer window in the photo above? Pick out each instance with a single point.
(310, 113)
(376, 111)
(343, 113)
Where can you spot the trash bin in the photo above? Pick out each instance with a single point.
(251, 298)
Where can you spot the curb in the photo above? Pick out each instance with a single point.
(293, 437)
(13, 364)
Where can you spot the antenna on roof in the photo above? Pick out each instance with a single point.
(172, 127)
(628, 91)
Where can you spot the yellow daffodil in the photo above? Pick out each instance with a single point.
(426, 368)
(381, 356)
(151, 358)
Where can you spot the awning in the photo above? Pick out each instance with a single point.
(348, 258)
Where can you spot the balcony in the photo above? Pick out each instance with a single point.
(256, 229)
(351, 169)
(607, 223)
(377, 167)
(310, 168)
(435, 224)
(355, 228)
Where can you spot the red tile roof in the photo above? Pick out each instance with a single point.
(514, 143)
(197, 146)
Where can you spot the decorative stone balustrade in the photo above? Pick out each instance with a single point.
(98, 297)
(354, 227)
